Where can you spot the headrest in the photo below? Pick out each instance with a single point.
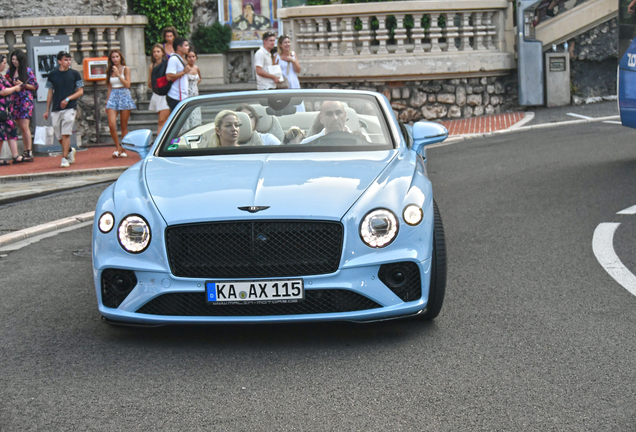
(245, 132)
(264, 123)
(352, 119)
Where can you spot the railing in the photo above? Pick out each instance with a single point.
(90, 36)
(414, 30)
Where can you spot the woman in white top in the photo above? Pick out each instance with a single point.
(157, 102)
(194, 78)
(119, 98)
(289, 64)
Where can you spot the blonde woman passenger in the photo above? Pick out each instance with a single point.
(119, 99)
(226, 129)
(157, 102)
(289, 64)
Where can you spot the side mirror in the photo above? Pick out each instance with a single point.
(426, 133)
(138, 141)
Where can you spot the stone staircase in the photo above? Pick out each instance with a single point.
(576, 21)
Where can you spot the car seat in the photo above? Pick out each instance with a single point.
(268, 123)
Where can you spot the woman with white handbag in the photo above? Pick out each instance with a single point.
(289, 64)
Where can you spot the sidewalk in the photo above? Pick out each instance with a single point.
(89, 158)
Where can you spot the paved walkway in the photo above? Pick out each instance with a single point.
(483, 124)
(90, 158)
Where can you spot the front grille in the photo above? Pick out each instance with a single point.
(316, 302)
(254, 249)
(408, 286)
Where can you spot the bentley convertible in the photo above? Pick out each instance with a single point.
(277, 206)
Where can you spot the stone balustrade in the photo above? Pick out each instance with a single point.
(438, 39)
(90, 36)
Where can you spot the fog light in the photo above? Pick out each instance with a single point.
(116, 285)
(396, 277)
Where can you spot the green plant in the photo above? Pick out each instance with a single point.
(161, 14)
(212, 40)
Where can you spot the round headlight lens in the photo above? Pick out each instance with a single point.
(379, 228)
(106, 222)
(413, 214)
(134, 234)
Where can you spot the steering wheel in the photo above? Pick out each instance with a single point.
(339, 138)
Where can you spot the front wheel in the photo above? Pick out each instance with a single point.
(437, 287)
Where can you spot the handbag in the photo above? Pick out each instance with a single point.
(4, 116)
(276, 70)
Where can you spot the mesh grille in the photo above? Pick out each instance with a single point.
(116, 285)
(254, 249)
(407, 289)
(316, 302)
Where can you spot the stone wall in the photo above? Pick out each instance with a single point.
(593, 61)
(442, 99)
(61, 8)
(239, 67)
(204, 13)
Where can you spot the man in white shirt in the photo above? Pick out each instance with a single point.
(262, 63)
(176, 71)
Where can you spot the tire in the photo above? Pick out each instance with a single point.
(437, 288)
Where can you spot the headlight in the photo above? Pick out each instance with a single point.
(379, 228)
(134, 234)
(106, 222)
(413, 214)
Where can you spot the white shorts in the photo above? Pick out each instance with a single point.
(158, 103)
(63, 122)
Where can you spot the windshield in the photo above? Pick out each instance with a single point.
(278, 122)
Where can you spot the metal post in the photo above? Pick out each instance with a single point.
(95, 98)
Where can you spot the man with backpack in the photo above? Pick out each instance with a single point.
(176, 71)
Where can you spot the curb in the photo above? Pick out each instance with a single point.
(58, 174)
(27, 233)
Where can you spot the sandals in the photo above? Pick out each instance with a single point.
(22, 159)
(4, 162)
(27, 153)
(116, 154)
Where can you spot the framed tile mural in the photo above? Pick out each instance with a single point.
(249, 19)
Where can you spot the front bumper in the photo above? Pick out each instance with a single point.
(363, 281)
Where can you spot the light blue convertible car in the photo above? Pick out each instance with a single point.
(273, 206)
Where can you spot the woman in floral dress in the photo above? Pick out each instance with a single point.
(23, 99)
(8, 131)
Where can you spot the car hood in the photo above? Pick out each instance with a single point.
(297, 185)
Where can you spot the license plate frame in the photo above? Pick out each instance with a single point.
(271, 291)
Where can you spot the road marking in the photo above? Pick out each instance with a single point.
(628, 211)
(603, 247)
(580, 116)
(23, 243)
(613, 122)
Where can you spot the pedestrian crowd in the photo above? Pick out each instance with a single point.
(173, 76)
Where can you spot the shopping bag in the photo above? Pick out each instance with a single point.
(44, 135)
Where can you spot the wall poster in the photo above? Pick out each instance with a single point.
(249, 20)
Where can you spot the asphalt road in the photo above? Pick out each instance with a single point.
(534, 334)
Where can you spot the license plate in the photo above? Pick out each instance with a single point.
(259, 292)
